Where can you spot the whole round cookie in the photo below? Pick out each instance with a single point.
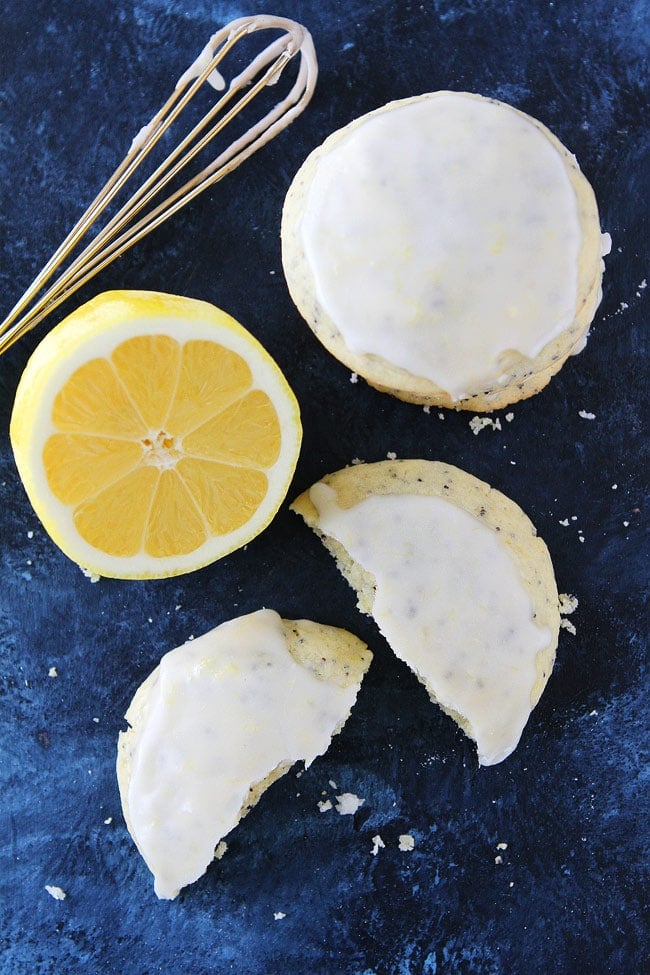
(447, 248)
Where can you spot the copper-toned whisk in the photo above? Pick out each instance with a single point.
(140, 214)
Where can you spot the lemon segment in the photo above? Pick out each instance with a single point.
(174, 523)
(246, 433)
(101, 520)
(153, 434)
(94, 401)
(212, 377)
(229, 496)
(79, 466)
(147, 367)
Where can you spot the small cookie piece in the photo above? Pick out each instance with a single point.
(447, 248)
(458, 582)
(219, 720)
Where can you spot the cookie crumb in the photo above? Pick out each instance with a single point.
(52, 672)
(347, 804)
(56, 892)
(586, 415)
(568, 625)
(377, 843)
(278, 915)
(222, 848)
(406, 842)
(325, 805)
(478, 423)
(354, 378)
(568, 603)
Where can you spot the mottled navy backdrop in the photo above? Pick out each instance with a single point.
(566, 894)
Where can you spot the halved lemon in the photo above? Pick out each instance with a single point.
(153, 434)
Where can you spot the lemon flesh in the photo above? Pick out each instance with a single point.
(153, 434)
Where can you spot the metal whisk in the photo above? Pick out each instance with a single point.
(123, 229)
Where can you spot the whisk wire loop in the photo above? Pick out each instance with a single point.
(122, 230)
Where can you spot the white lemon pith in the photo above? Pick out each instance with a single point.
(153, 434)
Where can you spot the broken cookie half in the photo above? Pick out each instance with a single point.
(219, 720)
(458, 581)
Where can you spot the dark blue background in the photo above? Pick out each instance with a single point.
(77, 80)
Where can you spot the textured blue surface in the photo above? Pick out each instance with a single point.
(77, 80)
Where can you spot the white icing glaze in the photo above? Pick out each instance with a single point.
(142, 135)
(451, 604)
(215, 79)
(441, 234)
(225, 710)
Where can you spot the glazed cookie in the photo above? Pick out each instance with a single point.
(458, 582)
(447, 248)
(219, 720)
